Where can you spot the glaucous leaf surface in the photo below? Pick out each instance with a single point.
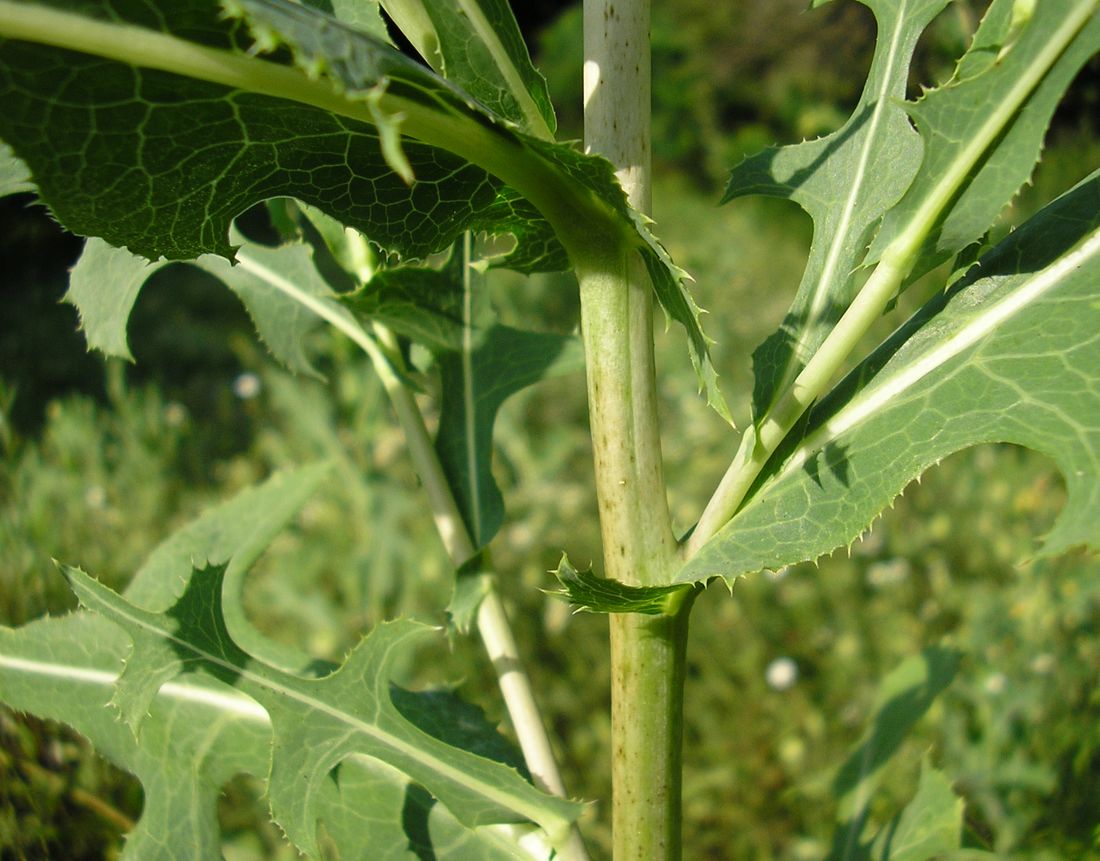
(317, 722)
(983, 131)
(845, 181)
(196, 737)
(1009, 354)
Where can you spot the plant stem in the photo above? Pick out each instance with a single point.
(647, 653)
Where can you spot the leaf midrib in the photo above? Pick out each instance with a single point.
(876, 398)
(456, 775)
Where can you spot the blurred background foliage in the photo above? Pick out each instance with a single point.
(102, 460)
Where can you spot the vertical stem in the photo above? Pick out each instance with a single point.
(647, 653)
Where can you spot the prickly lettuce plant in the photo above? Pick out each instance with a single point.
(149, 126)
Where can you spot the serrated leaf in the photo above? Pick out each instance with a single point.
(232, 129)
(317, 723)
(902, 699)
(423, 305)
(983, 131)
(845, 182)
(478, 45)
(590, 593)
(271, 282)
(929, 827)
(1010, 354)
(103, 287)
(197, 735)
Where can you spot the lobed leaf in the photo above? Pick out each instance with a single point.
(317, 723)
(490, 363)
(1009, 354)
(983, 131)
(845, 182)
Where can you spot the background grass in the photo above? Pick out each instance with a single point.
(101, 461)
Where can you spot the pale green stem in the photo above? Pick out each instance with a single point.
(894, 266)
(492, 621)
(647, 653)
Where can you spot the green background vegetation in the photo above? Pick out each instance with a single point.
(101, 461)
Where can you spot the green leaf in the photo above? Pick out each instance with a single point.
(845, 182)
(271, 283)
(198, 734)
(204, 128)
(983, 131)
(317, 723)
(103, 287)
(15, 176)
(592, 594)
(234, 533)
(477, 44)
(492, 362)
(930, 827)
(902, 699)
(421, 304)
(1009, 354)
(365, 15)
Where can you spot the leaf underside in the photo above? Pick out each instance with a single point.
(1009, 354)
(161, 163)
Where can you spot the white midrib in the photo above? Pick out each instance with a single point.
(485, 31)
(235, 704)
(882, 102)
(882, 395)
(456, 775)
(469, 397)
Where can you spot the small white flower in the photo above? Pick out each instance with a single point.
(247, 385)
(781, 674)
(996, 684)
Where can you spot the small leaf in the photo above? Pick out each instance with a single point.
(902, 699)
(478, 45)
(318, 723)
(103, 286)
(930, 826)
(1009, 354)
(592, 594)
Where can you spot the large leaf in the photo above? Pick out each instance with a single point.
(317, 723)
(168, 124)
(845, 182)
(1010, 354)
